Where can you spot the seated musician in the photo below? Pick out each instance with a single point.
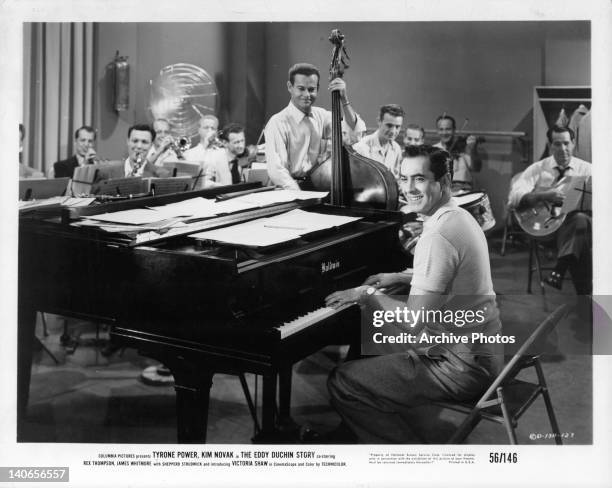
(209, 125)
(226, 166)
(464, 152)
(375, 396)
(84, 153)
(161, 150)
(140, 139)
(414, 135)
(574, 237)
(296, 137)
(26, 171)
(380, 145)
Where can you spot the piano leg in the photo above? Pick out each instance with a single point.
(284, 393)
(192, 386)
(268, 420)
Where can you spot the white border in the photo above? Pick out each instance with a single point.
(542, 466)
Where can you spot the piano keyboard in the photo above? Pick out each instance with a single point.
(311, 318)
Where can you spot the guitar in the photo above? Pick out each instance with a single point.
(544, 218)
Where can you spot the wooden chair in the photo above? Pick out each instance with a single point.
(508, 398)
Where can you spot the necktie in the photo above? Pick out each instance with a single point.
(234, 171)
(561, 172)
(313, 140)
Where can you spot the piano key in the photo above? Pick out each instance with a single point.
(311, 318)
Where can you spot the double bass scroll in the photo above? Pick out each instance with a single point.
(353, 180)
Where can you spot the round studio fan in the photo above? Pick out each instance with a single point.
(182, 93)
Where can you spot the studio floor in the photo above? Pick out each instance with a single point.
(87, 397)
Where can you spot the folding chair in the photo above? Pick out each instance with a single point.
(508, 398)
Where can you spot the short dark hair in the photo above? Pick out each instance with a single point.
(446, 117)
(416, 127)
(391, 109)
(440, 161)
(231, 128)
(86, 128)
(144, 128)
(559, 129)
(305, 69)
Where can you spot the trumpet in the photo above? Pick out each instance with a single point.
(179, 145)
(215, 141)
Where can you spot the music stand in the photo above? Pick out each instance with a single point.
(178, 168)
(164, 186)
(84, 177)
(119, 186)
(254, 175)
(40, 188)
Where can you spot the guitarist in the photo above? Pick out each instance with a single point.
(536, 184)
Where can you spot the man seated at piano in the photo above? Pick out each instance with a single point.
(297, 136)
(538, 184)
(161, 150)
(414, 135)
(376, 397)
(208, 127)
(380, 145)
(84, 153)
(26, 171)
(139, 141)
(226, 166)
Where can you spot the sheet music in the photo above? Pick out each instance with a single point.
(275, 230)
(250, 234)
(264, 198)
(577, 190)
(194, 208)
(307, 222)
(78, 202)
(160, 227)
(136, 216)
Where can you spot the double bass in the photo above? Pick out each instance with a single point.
(352, 179)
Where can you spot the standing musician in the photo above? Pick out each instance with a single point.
(84, 152)
(381, 146)
(295, 136)
(414, 136)
(574, 237)
(463, 151)
(376, 396)
(226, 166)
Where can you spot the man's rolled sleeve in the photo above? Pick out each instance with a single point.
(522, 186)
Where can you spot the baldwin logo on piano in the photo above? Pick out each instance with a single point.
(327, 266)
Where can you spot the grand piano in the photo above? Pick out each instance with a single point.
(201, 307)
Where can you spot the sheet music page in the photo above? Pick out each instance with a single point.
(275, 230)
(250, 234)
(194, 207)
(136, 216)
(577, 193)
(262, 199)
(306, 222)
